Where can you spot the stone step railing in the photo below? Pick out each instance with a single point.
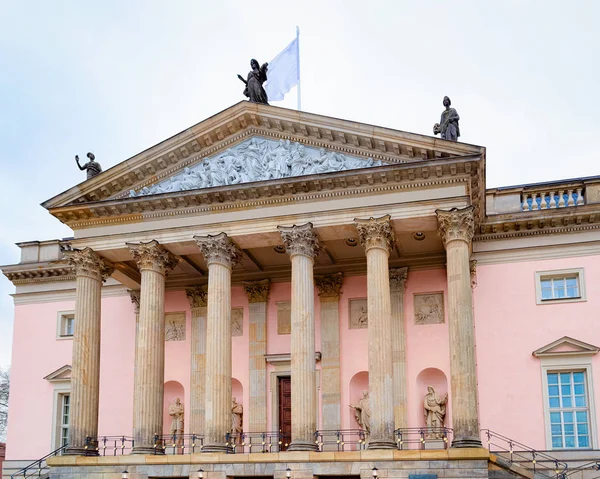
(552, 199)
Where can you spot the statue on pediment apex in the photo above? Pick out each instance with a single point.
(254, 84)
(448, 125)
(92, 167)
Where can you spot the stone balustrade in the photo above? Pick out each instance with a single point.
(552, 198)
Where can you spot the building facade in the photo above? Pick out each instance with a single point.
(283, 263)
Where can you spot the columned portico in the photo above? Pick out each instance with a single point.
(154, 262)
(221, 254)
(377, 237)
(303, 246)
(91, 270)
(456, 228)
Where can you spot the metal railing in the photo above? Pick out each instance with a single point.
(39, 467)
(114, 445)
(420, 437)
(341, 440)
(178, 443)
(588, 466)
(516, 453)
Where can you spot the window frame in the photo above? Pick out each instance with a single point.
(555, 274)
(61, 389)
(569, 364)
(62, 317)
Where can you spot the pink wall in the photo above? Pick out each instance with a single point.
(509, 326)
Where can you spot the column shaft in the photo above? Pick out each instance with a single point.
(377, 237)
(85, 371)
(456, 229)
(198, 299)
(397, 280)
(153, 261)
(258, 367)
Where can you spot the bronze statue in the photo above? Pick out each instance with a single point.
(448, 126)
(93, 167)
(254, 85)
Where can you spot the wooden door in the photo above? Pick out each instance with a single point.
(285, 410)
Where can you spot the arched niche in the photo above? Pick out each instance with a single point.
(358, 383)
(437, 379)
(172, 390)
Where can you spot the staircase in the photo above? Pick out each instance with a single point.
(24, 469)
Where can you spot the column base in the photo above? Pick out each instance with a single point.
(80, 451)
(217, 448)
(466, 441)
(148, 450)
(381, 444)
(303, 446)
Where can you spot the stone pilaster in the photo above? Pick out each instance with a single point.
(221, 254)
(397, 288)
(377, 237)
(198, 297)
(329, 287)
(154, 262)
(90, 270)
(456, 228)
(302, 245)
(258, 296)
(134, 294)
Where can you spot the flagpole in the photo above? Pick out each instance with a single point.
(298, 65)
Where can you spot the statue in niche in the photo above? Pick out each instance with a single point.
(237, 416)
(92, 167)
(176, 429)
(362, 412)
(434, 410)
(448, 125)
(254, 85)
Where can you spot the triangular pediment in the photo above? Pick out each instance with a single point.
(61, 374)
(566, 346)
(346, 142)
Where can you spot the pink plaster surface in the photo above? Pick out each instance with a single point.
(509, 326)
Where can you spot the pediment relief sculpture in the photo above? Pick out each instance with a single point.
(257, 159)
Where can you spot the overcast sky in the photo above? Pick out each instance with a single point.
(116, 77)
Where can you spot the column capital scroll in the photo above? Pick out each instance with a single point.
(456, 224)
(329, 286)
(87, 262)
(300, 239)
(134, 294)
(375, 233)
(219, 249)
(197, 296)
(153, 256)
(398, 279)
(257, 291)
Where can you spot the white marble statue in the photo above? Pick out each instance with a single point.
(362, 412)
(257, 159)
(434, 410)
(176, 413)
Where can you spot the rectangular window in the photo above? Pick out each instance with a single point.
(64, 418)
(562, 286)
(66, 324)
(569, 409)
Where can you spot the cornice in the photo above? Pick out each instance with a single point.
(278, 192)
(38, 273)
(245, 119)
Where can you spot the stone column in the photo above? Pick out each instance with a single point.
(302, 245)
(329, 293)
(198, 297)
(397, 287)
(377, 237)
(221, 254)
(90, 270)
(456, 228)
(134, 294)
(258, 295)
(154, 262)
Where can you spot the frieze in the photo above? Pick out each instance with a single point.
(257, 159)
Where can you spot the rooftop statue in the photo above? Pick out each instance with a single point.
(254, 85)
(448, 125)
(93, 167)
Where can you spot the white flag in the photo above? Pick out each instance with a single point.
(283, 72)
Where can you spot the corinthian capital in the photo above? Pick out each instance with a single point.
(134, 294)
(197, 296)
(398, 279)
(456, 224)
(153, 256)
(329, 286)
(375, 233)
(300, 240)
(219, 249)
(257, 291)
(86, 262)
